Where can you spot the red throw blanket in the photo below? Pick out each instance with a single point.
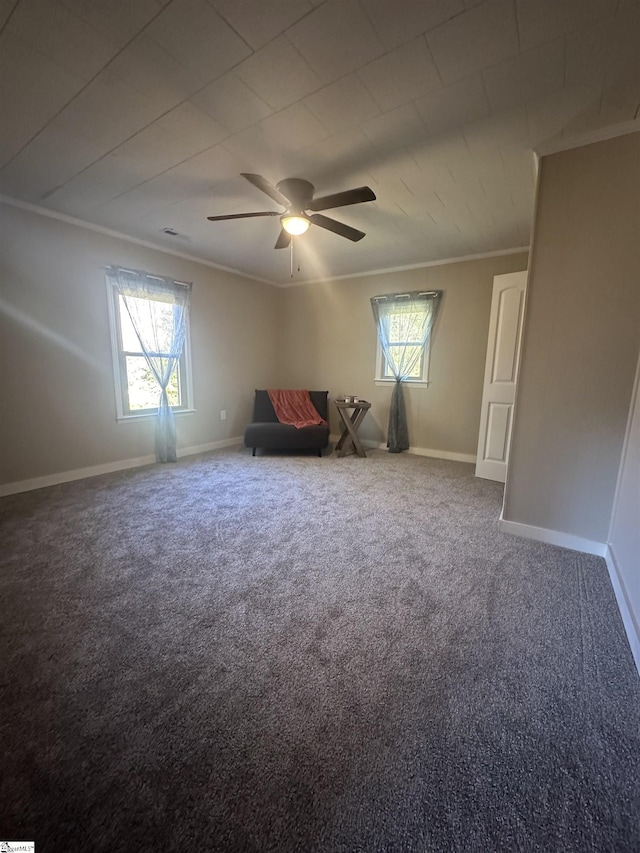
(294, 407)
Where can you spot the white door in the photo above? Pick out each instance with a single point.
(500, 375)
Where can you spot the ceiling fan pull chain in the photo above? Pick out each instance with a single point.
(291, 244)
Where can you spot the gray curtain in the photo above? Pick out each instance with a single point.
(145, 298)
(404, 322)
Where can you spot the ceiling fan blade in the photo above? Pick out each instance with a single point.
(264, 185)
(284, 238)
(242, 215)
(355, 196)
(337, 227)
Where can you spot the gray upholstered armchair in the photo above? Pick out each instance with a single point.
(267, 432)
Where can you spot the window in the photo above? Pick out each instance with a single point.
(155, 311)
(404, 323)
(405, 342)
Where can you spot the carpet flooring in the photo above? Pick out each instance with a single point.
(287, 653)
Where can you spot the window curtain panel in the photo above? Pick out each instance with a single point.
(414, 316)
(161, 343)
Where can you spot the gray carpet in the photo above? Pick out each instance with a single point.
(289, 653)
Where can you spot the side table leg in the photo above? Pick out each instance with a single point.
(356, 420)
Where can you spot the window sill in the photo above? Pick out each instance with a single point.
(412, 383)
(147, 415)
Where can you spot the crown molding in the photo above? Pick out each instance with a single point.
(118, 235)
(100, 229)
(555, 146)
(480, 256)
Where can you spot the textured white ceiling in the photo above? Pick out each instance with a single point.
(138, 115)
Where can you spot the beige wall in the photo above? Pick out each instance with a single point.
(328, 341)
(58, 402)
(581, 340)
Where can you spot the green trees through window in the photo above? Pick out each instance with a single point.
(142, 390)
(156, 316)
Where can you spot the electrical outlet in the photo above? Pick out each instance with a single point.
(223, 414)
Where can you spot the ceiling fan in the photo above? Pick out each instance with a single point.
(296, 196)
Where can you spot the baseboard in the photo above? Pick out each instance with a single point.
(122, 464)
(211, 445)
(417, 451)
(442, 454)
(628, 620)
(553, 537)
(587, 546)
(106, 468)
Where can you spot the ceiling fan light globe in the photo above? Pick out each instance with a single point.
(295, 225)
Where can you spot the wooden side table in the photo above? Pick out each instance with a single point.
(351, 424)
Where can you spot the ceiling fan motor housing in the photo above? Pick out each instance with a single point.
(298, 191)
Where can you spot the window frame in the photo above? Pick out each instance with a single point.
(119, 356)
(422, 381)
